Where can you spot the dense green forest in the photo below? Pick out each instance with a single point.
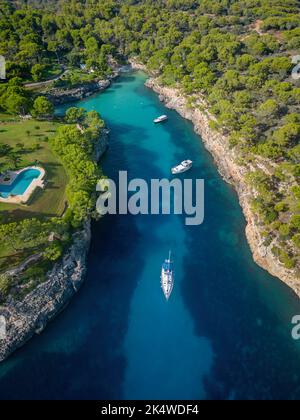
(235, 54)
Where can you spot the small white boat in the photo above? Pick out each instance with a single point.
(182, 167)
(160, 119)
(167, 277)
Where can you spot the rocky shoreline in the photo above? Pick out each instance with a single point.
(60, 96)
(29, 317)
(225, 159)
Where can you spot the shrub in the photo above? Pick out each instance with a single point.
(5, 285)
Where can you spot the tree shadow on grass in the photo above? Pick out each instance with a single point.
(51, 167)
(21, 214)
(52, 171)
(8, 262)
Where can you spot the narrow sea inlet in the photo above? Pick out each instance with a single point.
(225, 332)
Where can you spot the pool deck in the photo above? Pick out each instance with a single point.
(24, 198)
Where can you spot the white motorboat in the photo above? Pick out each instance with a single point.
(160, 119)
(182, 167)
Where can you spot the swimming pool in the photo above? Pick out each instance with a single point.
(20, 184)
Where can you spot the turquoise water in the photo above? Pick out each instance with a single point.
(225, 332)
(20, 184)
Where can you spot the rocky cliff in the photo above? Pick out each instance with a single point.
(62, 95)
(102, 145)
(28, 317)
(225, 159)
(59, 96)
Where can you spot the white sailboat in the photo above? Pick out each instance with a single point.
(167, 277)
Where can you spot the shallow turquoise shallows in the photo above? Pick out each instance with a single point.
(225, 332)
(20, 184)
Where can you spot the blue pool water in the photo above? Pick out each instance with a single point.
(20, 184)
(225, 333)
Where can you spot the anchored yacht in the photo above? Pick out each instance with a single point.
(182, 167)
(160, 119)
(167, 277)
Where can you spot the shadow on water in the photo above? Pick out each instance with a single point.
(78, 355)
(245, 312)
(226, 332)
(255, 356)
(83, 345)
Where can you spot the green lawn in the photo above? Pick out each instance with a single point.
(44, 203)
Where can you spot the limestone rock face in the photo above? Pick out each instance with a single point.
(30, 316)
(102, 145)
(226, 161)
(59, 96)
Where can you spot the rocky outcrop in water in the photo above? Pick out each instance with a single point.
(59, 96)
(226, 161)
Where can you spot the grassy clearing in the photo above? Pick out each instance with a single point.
(52, 71)
(34, 135)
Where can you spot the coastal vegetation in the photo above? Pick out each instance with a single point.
(25, 143)
(75, 147)
(44, 227)
(232, 57)
(16, 100)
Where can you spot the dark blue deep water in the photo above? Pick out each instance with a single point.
(226, 331)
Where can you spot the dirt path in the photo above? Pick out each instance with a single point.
(21, 267)
(46, 82)
(257, 27)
